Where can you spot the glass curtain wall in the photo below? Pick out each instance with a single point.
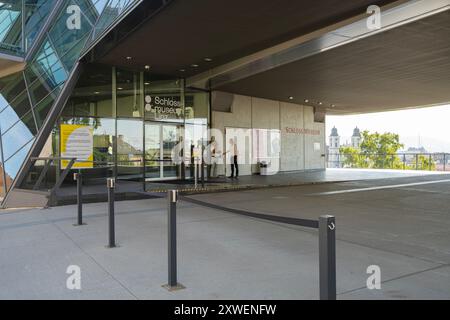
(144, 128)
(27, 97)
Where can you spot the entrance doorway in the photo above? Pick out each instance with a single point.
(160, 141)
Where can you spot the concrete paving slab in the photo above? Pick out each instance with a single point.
(226, 256)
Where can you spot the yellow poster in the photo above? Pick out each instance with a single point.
(77, 141)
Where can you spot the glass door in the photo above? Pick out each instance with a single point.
(152, 151)
(171, 137)
(160, 143)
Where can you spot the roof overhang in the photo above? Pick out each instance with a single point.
(351, 69)
(299, 51)
(198, 35)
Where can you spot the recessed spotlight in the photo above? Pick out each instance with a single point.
(182, 70)
(147, 83)
(208, 59)
(129, 58)
(333, 105)
(119, 88)
(96, 92)
(195, 65)
(306, 101)
(291, 98)
(320, 103)
(147, 67)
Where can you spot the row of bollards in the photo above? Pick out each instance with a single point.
(111, 185)
(327, 251)
(327, 240)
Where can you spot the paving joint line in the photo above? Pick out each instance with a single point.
(399, 277)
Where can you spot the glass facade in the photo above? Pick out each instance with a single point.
(27, 96)
(138, 121)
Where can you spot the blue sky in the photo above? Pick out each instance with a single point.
(427, 127)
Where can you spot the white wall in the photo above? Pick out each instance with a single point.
(299, 132)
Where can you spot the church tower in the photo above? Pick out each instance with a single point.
(356, 138)
(334, 149)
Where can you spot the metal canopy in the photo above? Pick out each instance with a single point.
(197, 35)
(405, 67)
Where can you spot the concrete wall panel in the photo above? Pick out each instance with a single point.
(302, 139)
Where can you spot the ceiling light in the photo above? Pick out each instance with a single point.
(182, 70)
(320, 103)
(119, 88)
(147, 67)
(306, 100)
(195, 65)
(96, 92)
(291, 98)
(147, 83)
(129, 58)
(333, 105)
(208, 60)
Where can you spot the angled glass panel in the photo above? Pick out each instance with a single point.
(42, 109)
(100, 5)
(12, 166)
(11, 26)
(61, 37)
(47, 65)
(18, 136)
(113, 10)
(2, 176)
(10, 87)
(71, 56)
(15, 111)
(44, 86)
(36, 13)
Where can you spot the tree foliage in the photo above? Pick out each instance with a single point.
(377, 150)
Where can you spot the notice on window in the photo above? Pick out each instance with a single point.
(77, 141)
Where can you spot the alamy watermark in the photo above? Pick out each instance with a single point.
(73, 22)
(374, 280)
(73, 282)
(374, 21)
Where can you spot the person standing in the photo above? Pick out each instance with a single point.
(234, 153)
(214, 156)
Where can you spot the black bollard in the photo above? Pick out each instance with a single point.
(172, 285)
(111, 184)
(78, 177)
(327, 257)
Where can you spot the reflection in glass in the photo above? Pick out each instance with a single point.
(129, 94)
(130, 142)
(92, 96)
(152, 151)
(104, 135)
(170, 135)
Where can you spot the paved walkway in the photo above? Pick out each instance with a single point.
(403, 230)
(132, 190)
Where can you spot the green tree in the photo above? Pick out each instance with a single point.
(377, 150)
(352, 158)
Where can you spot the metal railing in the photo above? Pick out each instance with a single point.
(396, 161)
